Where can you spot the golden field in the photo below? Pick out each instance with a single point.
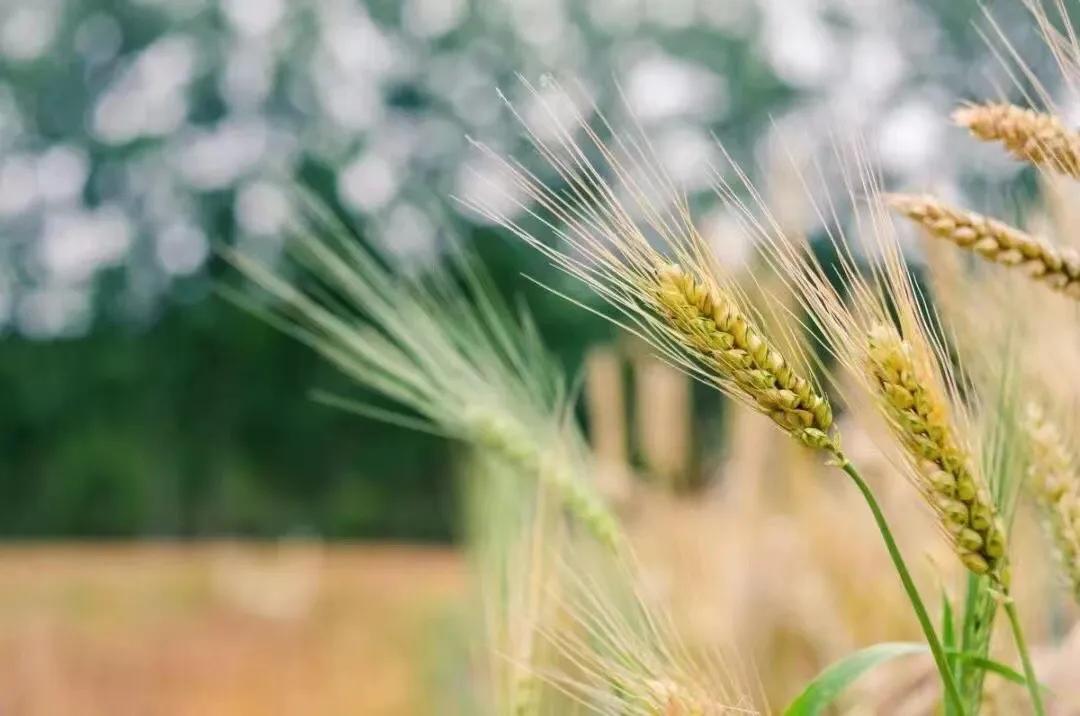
(220, 629)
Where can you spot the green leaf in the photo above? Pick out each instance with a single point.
(948, 639)
(948, 623)
(994, 667)
(831, 682)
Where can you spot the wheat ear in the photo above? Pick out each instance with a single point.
(1036, 137)
(710, 323)
(511, 441)
(920, 419)
(1054, 480)
(1058, 268)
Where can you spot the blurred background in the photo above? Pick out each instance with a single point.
(178, 512)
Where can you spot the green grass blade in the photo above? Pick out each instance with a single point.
(831, 682)
(995, 667)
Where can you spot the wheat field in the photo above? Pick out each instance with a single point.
(223, 629)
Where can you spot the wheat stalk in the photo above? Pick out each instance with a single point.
(446, 350)
(1058, 268)
(920, 419)
(1054, 480)
(1036, 137)
(628, 234)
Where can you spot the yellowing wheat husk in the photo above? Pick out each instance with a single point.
(1058, 268)
(712, 325)
(947, 474)
(1036, 137)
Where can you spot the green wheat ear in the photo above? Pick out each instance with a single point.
(443, 347)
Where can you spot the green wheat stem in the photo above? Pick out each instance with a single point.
(952, 693)
(1025, 657)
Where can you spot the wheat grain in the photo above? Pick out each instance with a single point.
(920, 419)
(711, 324)
(1058, 268)
(1054, 480)
(1036, 137)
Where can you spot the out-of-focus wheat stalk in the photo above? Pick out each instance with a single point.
(1054, 480)
(627, 656)
(455, 357)
(1058, 268)
(1036, 137)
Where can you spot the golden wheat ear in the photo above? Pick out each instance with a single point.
(1031, 136)
(710, 324)
(1057, 267)
(1054, 481)
(947, 474)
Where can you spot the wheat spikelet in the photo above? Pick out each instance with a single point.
(920, 419)
(1058, 268)
(1036, 137)
(1054, 480)
(712, 325)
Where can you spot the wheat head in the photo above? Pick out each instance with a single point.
(1036, 137)
(920, 419)
(512, 442)
(1054, 480)
(626, 231)
(711, 324)
(1058, 268)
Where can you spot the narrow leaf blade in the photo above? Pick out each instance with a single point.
(831, 682)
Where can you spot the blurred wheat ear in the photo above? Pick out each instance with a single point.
(442, 347)
(1054, 480)
(1036, 137)
(1058, 268)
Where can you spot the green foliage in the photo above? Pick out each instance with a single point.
(201, 425)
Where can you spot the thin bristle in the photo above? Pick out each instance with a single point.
(711, 324)
(920, 419)
(1036, 137)
(1058, 268)
(1054, 480)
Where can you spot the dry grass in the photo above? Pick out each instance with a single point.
(219, 630)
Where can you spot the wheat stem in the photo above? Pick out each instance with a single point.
(1025, 657)
(1058, 268)
(952, 694)
(1036, 137)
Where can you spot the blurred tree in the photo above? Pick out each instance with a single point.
(136, 133)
